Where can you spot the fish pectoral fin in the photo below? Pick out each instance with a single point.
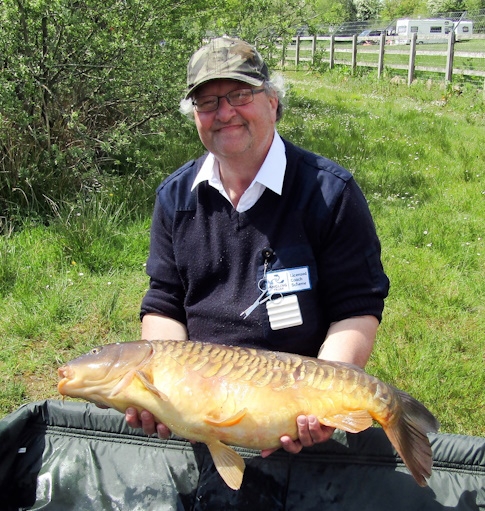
(124, 382)
(143, 377)
(230, 421)
(353, 422)
(228, 463)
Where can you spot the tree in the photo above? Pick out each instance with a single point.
(392, 9)
(81, 82)
(368, 9)
(335, 12)
(263, 21)
(474, 5)
(85, 83)
(437, 6)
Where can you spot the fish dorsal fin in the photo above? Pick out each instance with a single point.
(228, 463)
(353, 422)
(230, 421)
(143, 377)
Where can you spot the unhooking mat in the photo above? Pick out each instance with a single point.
(70, 456)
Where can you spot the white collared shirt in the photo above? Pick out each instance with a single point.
(271, 175)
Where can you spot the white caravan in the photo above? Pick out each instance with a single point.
(431, 30)
(463, 29)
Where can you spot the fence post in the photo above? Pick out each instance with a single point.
(412, 58)
(354, 53)
(314, 48)
(449, 57)
(332, 52)
(297, 51)
(380, 65)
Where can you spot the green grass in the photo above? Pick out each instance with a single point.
(55, 305)
(418, 154)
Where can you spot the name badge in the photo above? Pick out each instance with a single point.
(290, 280)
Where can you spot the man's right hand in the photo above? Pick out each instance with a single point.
(146, 421)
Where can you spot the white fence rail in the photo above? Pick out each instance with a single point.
(305, 48)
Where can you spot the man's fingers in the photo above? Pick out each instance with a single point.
(289, 445)
(304, 434)
(162, 431)
(147, 422)
(319, 432)
(310, 431)
(132, 419)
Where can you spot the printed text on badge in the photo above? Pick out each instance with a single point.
(289, 281)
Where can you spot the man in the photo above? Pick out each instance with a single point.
(259, 242)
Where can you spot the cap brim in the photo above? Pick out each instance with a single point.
(240, 77)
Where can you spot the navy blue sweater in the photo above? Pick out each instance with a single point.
(205, 258)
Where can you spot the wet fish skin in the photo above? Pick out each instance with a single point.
(222, 395)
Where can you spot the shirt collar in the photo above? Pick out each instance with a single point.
(271, 174)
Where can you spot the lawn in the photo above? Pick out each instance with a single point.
(417, 152)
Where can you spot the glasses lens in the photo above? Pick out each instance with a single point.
(206, 103)
(235, 98)
(240, 97)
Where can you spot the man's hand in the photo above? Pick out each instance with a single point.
(310, 432)
(146, 421)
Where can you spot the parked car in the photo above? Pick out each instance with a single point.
(350, 28)
(370, 36)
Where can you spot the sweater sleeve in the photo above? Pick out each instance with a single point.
(167, 292)
(165, 295)
(350, 265)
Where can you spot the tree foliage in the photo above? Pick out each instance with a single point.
(392, 9)
(81, 82)
(474, 5)
(86, 84)
(437, 6)
(335, 12)
(90, 88)
(262, 22)
(368, 9)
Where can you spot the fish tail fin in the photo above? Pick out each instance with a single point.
(408, 434)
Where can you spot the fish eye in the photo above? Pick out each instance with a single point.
(95, 351)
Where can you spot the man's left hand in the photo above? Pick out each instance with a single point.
(310, 432)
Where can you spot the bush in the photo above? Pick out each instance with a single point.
(84, 85)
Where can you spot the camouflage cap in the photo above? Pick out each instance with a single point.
(226, 57)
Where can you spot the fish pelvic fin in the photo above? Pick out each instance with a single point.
(228, 463)
(230, 421)
(408, 433)
(148, 384)
(353, 422)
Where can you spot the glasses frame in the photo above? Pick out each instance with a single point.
(228, 99)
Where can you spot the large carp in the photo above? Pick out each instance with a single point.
(247, 397)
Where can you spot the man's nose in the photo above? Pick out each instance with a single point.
(225, 109)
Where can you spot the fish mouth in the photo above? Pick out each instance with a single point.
(66, 374)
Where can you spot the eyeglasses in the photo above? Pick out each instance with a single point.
(238, 97)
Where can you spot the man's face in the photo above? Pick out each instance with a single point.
(235, 131)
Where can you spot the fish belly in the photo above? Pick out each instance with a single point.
(251, 398)
(238, 413)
